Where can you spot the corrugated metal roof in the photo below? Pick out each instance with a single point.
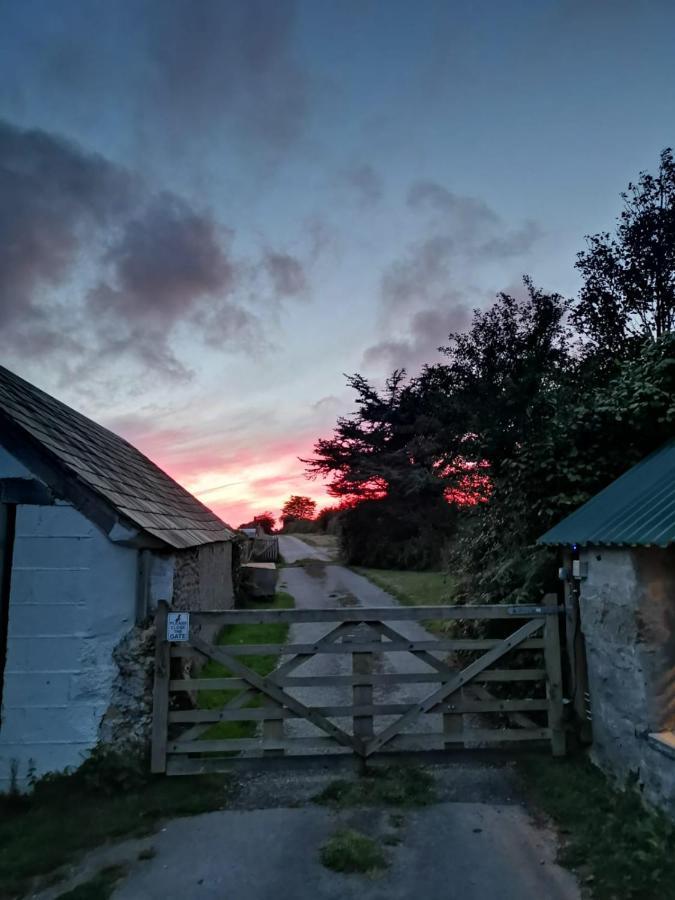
(109, 466)
(637, 509)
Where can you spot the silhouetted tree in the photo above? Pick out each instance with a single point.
(298, 507)
(628, 292)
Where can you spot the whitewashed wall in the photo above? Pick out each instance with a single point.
(72, 600)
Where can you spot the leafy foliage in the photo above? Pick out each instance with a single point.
(298, 507)
(629, 278)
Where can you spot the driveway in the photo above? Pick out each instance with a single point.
(478, 842)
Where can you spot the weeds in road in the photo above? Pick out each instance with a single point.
(110, 796)
(100, 887)
(351, 851)
(404, 786)
(619, 848)
(268, 633)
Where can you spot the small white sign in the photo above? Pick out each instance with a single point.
(178, 627)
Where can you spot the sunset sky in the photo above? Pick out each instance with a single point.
(212, 209)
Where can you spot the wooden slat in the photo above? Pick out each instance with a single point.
(207, 684)
(405, 678)
(271, 689)
(402, 646)
(554, 685)
(249, 744)
(160, 692)
(347, 712)
(370, 614)
(462, 678)
(255, 746)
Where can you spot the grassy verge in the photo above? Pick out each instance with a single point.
(415, 589)
(108, 798)
(619, 848)
(100, 887)
(271, 633)
(403, 786)
(328, 542)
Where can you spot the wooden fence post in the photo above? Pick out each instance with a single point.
(160, 692)
(362, 694)
(453, 723)
(554, 678)
(273, 728)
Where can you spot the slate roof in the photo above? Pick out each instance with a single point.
(638, 509)
(107, 465)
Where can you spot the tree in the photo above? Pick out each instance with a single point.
(391, 446)
(628, 291)
(502, 375)
(266, 522)
(298, 507)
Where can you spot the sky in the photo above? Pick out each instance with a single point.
(213, 210)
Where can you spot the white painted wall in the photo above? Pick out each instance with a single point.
(72, 600)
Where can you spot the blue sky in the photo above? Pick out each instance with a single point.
(214, 209)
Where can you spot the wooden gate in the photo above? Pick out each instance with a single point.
(456, 690)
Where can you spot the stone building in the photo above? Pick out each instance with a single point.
(92, 536)
(619, 560)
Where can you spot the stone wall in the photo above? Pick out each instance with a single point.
(127, 723)
(627, 607)
(202, 578)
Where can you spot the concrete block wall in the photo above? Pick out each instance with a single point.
(627, 607)
(72, 600)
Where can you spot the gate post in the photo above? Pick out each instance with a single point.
(160, 692)
(554, 677)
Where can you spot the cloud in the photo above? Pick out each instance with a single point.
(52, 193)
(428, 292)
(427, 330)
(136, 266)
(182, 73)
(365, 183)
(212, 58)
(286, 274)
(475, 227)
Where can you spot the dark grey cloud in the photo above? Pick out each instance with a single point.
(476, 228)
(424, 294)
(213, 58)
(418, 278)
(179, 71)
(53, 193)
(93, 265)
(286, 274)
(420, 345)
(365, 182)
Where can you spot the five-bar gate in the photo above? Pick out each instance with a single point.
(466, 692)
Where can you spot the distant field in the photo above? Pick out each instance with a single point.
(413, 588)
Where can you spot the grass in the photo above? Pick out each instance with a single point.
(270, 633)
(402, 786)
(327, 542)
(69, 814)
(351, 851)
(416, 589)
(620, 849)
(100, 887)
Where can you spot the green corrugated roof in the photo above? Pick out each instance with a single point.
(636, 509)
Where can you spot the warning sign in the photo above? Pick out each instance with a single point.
(178, 627)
